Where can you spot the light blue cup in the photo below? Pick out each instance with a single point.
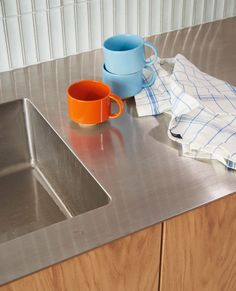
(125, 54)
(128, 85)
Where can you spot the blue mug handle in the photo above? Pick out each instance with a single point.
(149, 44)
(153, 78)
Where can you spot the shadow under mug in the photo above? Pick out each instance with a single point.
(125, 54)
(89, 102)
(128, 85)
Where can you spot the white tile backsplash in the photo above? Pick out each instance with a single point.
(119, 14)
(33, 31)
(40, 4)
(144, 17)
(132, 19)
(70, 32)
(28, 38)
(229, 7)
(54, 3)
(210, 10)
(10, 8)
(107, 18)
(15, 42)
(94, 24)
(199, 8)
(25, 6)
(83, 27)
(55, 18)
(177, 14)
(167, 15)
(219, 9)
(156, 16)
(43, 36)
(188, 13)
(3, 49)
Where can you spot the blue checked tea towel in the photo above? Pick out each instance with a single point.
(202, 108)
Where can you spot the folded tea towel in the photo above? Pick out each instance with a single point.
(202, 108)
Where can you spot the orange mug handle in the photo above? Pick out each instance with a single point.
(120, 104)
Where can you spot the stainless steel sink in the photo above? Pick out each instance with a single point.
(41, 180)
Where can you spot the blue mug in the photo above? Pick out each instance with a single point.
(128, 85)
(125, 54)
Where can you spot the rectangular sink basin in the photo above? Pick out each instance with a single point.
(41, 181)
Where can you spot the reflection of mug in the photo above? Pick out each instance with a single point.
(127, 85)
(89, 102)
(125, 54)
(97, 143)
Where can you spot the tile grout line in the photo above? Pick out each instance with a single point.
(49, 30)
(6, 36)
(90, 34)
(62, 17)
(19, 20)
(36, 41)
(102, 20)
(76, 28)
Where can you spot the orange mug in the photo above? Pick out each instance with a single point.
(89, 102)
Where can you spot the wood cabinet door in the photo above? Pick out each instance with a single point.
(199, 249)
(128, 264)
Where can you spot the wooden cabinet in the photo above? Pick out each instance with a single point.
(195, 251)
(127, 264)
(199, 249)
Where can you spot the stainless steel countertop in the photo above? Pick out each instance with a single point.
(132, 158)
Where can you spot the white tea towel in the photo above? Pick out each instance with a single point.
(203, 110)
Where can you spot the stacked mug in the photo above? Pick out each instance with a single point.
(125, 62)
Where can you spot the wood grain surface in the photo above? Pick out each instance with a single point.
(199, 249)
(127, 264)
